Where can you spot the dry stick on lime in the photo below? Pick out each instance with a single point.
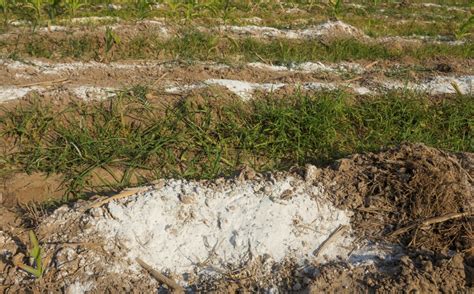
(35, 255)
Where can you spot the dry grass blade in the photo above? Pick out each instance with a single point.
(456, 88)
(341, 229)
(46, 83)
(124, 194)
(370, 65)
(160, 277)
(431, 221)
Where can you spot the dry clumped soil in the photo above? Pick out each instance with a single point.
(387, 198)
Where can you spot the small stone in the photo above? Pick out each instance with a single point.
(343, 165)
(287, 195)
(297, 287)
(311, 173)
(427, 266)
(97, 212)
(458, 261)
(18, 259)
(187, 199)
(246, 173)
(370, 282)
(405, 260)
(158, 184)
(267, 189)
(444, 67)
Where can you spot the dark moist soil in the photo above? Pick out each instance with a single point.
(396, 190)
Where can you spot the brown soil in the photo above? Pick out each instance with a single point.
(386, 191)
(405, 186)
(23, 188)
(412, 273)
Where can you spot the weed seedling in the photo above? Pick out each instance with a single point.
(36, 6)
(173, 8)
(35, 258)
(466, 28)
(53, 9)
(336, 6)
(72, 7)
(110, 39)
(5, 10)
(142, 7)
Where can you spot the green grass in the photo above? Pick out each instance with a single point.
(129, 136)
(198, 46)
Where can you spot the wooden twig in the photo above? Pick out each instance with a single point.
(371, 64)
(45, 82)
(160, 277)
(353, 80)
(159, 79)
(431, 221)
(341, 229)
(262, 59)
(124, 194)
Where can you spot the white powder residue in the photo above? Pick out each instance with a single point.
(309, 67)
(436, 86)
(448, 8)
(319, 86)
(361, 90)
(264, 66)
(445, 85)
(322, 86)
(358, 6)
(53, 29)
(51, 68)
(321, 67)
(332, 27)
(94, 19)
(93, 93)
(114, 6)
(369, 253)
(186, 226)
(324, 29)
(183, 88)
(332, 30)
(243, 89)
(11, 92)
(79, 288)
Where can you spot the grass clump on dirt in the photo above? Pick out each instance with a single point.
(129, 140)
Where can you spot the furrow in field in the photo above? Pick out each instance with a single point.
(246, 90)
(94, 80)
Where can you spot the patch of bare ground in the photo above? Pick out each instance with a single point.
(23, 188)
(415, 196)
(417, 272)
